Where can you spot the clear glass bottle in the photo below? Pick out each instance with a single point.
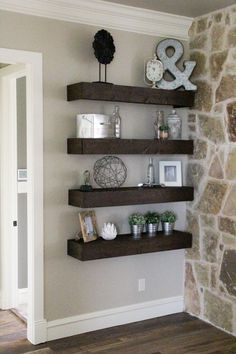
(175, 125)
(117, 121)
(150, 173)
(158, 123)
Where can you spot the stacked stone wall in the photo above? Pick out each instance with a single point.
(210, 283)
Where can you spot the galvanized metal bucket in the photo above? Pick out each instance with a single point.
(167, 228)
(136, 230)
(152, 229)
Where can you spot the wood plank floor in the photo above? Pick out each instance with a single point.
(174, 334)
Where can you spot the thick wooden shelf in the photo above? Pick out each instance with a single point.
(126, 245)
(128, 146)
(118, 93)
(128, 196)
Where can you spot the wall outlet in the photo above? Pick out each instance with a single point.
(141, 285)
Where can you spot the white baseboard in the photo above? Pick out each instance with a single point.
(113, 317)
(23, 296)
(37, 332)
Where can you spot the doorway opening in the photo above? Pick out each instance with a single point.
(15, 99)
(21, 189)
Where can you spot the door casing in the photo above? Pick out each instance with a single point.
(9, 212)
(36, 324)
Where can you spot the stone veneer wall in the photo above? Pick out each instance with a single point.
(210, 285)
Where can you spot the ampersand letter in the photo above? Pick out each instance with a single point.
(169, 64)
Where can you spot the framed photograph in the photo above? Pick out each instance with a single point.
(170, 173)
(88, 225)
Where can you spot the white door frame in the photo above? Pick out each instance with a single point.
(9, 212)
(36, 324)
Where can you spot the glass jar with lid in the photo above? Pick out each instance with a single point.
(175, 125)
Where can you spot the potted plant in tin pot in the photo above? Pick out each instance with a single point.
(137, 222)
(152, 221)
(164, 131)
(168, 219)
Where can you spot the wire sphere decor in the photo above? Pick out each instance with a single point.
(109, 172)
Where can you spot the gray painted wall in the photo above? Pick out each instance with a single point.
(21, 122)
(73, 287)
(22, 237)
(22, 198)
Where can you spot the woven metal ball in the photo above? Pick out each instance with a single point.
(109, 172)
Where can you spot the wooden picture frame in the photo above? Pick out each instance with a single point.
(88, 225)
(170, 173)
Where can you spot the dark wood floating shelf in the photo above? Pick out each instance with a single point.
(119, 93)
(128, 196)
(126, 245)
(128, 146)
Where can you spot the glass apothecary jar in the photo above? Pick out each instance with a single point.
(175, 125)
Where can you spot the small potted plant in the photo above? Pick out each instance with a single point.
(152, 221)
(164, 131)
(137, 222)
(168, 219)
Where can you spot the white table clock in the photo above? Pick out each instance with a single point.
(154, 71)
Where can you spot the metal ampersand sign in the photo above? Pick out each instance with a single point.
(169, 63)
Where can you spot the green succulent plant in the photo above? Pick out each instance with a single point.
(137, 219)
(168, 216)
(164, 128)
(152, 217)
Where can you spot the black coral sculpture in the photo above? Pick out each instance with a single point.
(104, 50)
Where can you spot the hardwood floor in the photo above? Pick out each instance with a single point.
(174, 334)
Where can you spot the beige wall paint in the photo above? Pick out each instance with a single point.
(73, 287)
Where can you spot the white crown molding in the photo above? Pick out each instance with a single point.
(88, 322)
(103, 14)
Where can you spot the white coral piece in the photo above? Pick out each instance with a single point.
(109, 231)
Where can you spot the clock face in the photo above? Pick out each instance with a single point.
(154, 70)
